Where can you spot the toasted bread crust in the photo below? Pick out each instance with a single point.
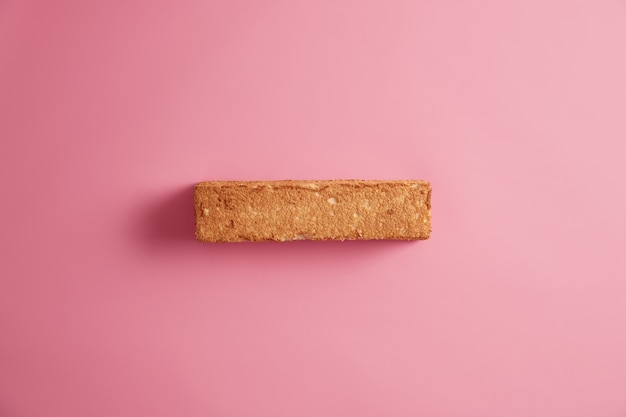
(235, 211)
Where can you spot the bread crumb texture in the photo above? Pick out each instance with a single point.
(237, 211)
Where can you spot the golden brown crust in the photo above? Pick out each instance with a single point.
(235, 211)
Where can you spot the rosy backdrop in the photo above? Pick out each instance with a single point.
(110, 111)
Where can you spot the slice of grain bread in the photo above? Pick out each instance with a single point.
(235, 211)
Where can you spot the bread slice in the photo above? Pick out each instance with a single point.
(236, 211)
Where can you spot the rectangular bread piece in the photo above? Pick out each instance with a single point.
(236, 211)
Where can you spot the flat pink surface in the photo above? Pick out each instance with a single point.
(514, 110)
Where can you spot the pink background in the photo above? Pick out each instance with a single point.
(111, 110)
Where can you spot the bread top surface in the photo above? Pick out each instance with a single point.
(230, 211)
